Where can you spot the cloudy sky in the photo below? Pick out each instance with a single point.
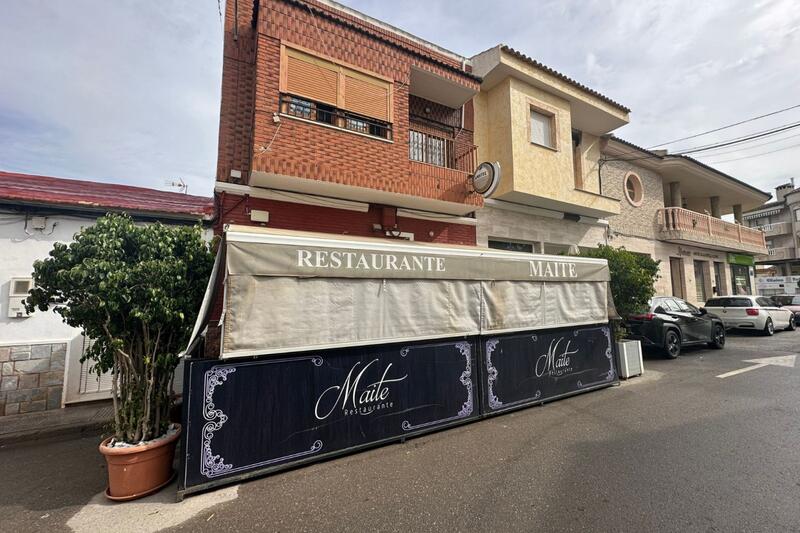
(128, 91)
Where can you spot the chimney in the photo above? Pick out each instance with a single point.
(782, 190)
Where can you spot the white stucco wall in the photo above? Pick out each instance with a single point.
(18, 251)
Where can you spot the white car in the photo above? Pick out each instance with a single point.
(751, 312)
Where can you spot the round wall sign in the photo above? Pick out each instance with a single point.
(486, 178)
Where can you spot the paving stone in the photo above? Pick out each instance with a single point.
(28, 381)
(41, 351)
(57, 364)
(31, 407)
(33, 366)
(8, 369)
(5, 354)
(54, 397)
(49, 379)
(8, 383)
(11, 408)
(20, 353)
(59, 351)
(38, 394)
(18, 396)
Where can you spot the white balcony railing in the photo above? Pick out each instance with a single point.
(690, 225)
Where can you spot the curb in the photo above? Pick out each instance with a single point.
(74, 430)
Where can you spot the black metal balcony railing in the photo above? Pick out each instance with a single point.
(325, 114)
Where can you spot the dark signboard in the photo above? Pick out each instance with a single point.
(526, 368)
(244, 417)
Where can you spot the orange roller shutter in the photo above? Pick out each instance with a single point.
(366, 97)
(313, 78)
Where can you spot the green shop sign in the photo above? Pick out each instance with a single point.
(740, 259)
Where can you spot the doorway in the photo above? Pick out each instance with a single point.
(718, 279)
(676, 274)
(740, 277)
(700, 282)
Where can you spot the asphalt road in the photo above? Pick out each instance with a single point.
(676, 450)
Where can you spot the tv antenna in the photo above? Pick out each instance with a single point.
(178, 184)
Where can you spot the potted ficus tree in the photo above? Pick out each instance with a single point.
(135, 290)
(632, 285)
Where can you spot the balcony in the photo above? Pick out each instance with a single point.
(777, 254)
(442, 165)
(689, 227)
(778, 228)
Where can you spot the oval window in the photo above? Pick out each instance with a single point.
(634, 191)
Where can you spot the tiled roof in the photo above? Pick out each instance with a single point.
(95, 196)
(562, 77)
(667, 156)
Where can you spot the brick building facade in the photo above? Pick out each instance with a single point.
(334, 122)
(303, 111)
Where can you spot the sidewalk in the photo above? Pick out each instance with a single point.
(77, 420)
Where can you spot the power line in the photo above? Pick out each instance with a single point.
(726, 127)
(738, 140)
(737, 150)
(714, 146)
(755, 155)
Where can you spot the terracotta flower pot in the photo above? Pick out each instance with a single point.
(136, 471)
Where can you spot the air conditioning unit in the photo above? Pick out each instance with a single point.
(630, 358)
(17, 292)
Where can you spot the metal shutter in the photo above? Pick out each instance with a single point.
(366, 96)
(313, 78)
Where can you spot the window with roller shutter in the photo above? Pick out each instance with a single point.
(321, 90)
(312, 78)
(366, 97)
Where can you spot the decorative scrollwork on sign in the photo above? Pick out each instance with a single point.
(404, 351)
(491, 374)
(466, 379)
(611, 373)
(212, 465)
(491, 377)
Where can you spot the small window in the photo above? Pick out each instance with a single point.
(670, 305)
(556, 249)
(764, 302)
(797, 215)
(542, 129)
(634, 191)
(526, 247)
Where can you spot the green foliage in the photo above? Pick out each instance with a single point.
(633, 278)
(136, 290)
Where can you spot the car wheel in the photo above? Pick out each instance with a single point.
(718, 337)
(672, 344)
(792, 326)
(769, 328)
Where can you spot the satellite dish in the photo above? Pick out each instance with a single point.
(486, 178)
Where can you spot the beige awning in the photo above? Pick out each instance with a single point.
(289, 291)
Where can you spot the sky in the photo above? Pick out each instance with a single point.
(128, 91)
